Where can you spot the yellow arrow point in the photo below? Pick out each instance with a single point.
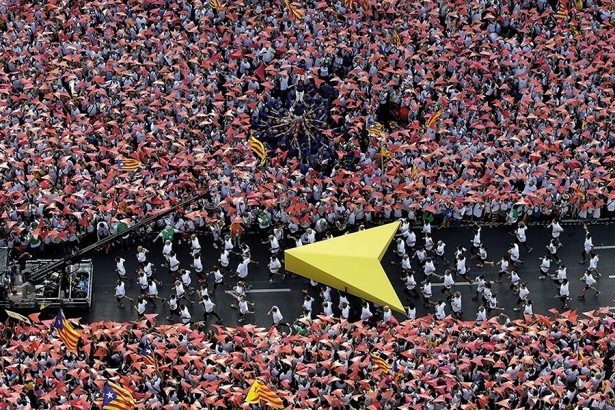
(350, 262)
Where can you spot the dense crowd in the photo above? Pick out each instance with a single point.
(501, 109)
(560, 362)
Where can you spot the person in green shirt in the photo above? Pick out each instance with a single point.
(166, 234)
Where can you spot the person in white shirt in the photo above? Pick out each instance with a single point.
(224, 259)
(184, 276)
(556, 228)
(185, 315)
(503, 268)
(523, 295)
(228, 243)
(528, 308)
(429, 244)
(242, 268)
(209, 307)
(327, 308)
(513, 253)
(274, 245)
(545, 266)
(410, 283)
(440, 310)
(166, 252)
(590, 283)
(120, 293)
(152, 291)
(325, 293)
(561, 273)
(426, 229)
(588, 245)
(195, 244)
(243, 308)
(143, 282)
(481, 315)
(120, 269)
(482, 257)
(307, 305)
(440, 249)
(476, 242)
(274, 268)
(461, 268)
(427, 292)
(420, 255)
(345, 310)
(564, 293)
(406, 264)
(218, 277)
(456, 305)
(521, 235)
(142, 255)
(149, 269)
(173, 303)
(492, 303)
(411, 311)
(140, 308)
(515, 279)
(429, 268)
(173, 264)
(400, 249)
(387, 315)
(593, 263)
(343, 299)
(480, 287)
(276, 315)
(410, 238)
(448, 282)
(552, 248)
(366, 313)
(197, 265)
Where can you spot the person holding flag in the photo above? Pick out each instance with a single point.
(117, 398)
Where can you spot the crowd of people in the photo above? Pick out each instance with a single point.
(559, 362)
(114, 110)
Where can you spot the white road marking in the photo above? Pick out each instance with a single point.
(456, 284)
(263, 290)
(611, 276)
(605, 247)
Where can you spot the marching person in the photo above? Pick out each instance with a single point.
(552, 248)
(523, 295)
(173, 303)
(180, 291)
(504, 268)
(556, 229)
(593, 263)
(590, 283)
(427, 292)
(521, 236)
(218, 277)
(197, 265)
(142, 255)
(152, 291)
(166, 252)
(274, 268)
(120, 293)
(588, 245)
(564, 293)
(209, 307)
(195, 244)
(482, 257)
(366, 313)
(140, 308)
(243, 308)
(456, 305)
(185, 315)
(276, 316)
(274, 245)
(545, 266)
(410, 282)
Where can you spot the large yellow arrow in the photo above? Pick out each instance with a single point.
(350, 263)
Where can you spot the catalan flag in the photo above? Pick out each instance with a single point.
(128, 164)
(259, 392)
(215, 4)
(432, 120)
(415, 173)
(380, 363)
(294, 13)
(149, 357)
(349, 3)
(258, 148)
(395, 40)
(376, 130)
(117, 398)
(562, 14)
(67, 333)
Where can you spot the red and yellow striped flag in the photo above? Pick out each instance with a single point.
(349, 3)
(66, 332)
(259, 392)
(380, 363)
(215, 4)
(295, 14)
(434, 118)
(258, 148)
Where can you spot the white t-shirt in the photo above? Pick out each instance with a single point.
(120, 290)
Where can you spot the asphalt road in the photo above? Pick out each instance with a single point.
(287, 294)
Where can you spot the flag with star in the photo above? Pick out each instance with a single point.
(66, 332)
(127, 164)
(117, 398)
(149, 357)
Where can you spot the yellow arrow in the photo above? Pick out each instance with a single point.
(351, 263)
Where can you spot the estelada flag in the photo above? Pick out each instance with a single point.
(215, 4)
(117, 398)
(259, 392)
(67, 333)
(349, 3)
(385, 153)
(128, 164)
